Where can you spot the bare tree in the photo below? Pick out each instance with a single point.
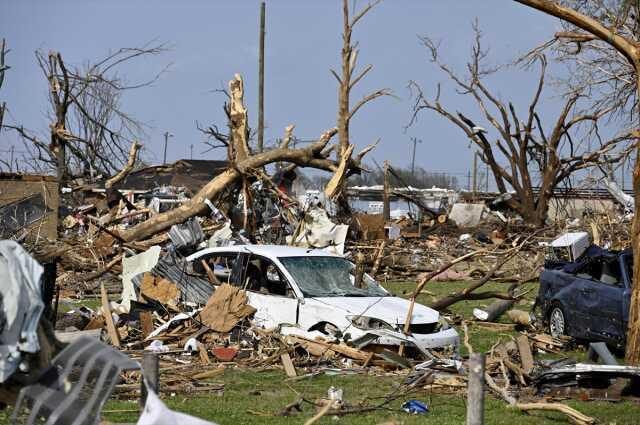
(594, 22)
(89, 132)
(346, 82)
(525, 156)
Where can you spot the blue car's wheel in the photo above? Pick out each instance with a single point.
(557, 322)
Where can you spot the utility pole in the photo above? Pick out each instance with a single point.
(191, 150)
(166, 140)
(475, 174)
(486, 178)
(11, 160)
(413, 157)
(386, 210)
(261, 82)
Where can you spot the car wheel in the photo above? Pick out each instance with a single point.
(557, 322)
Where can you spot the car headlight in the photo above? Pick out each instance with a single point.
(369, 323)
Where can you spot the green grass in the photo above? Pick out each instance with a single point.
(268, 392)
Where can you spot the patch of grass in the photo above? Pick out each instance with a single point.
(267, 392)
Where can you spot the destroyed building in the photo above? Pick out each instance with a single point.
(28, 206)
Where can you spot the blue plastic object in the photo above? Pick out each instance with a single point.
(415, 407)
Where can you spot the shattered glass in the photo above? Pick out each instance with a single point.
(329, 277)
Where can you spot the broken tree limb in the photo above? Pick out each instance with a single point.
(238, 118)
(379, 255)
(304, 157)
(131, 162)
(335, 184)
(475, 389)
(572, 413)
(466, 293)
(423, 282)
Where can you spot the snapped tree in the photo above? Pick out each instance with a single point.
(526, 156)
(347, 80)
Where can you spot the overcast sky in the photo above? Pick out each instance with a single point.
(212, 40)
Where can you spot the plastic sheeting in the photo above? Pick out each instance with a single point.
(133, 266)
(21, 306)
(186, 235)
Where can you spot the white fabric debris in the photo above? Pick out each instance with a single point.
(317, 231)
(467, 215)
(20, 306)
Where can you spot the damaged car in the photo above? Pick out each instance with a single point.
(588, 298)
(318, 291)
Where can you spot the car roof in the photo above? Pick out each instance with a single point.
(267, 251)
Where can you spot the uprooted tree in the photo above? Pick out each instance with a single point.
(526, 156)
(243, 162)
(611, 26)
(89, 134)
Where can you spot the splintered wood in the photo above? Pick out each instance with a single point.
(226, 307)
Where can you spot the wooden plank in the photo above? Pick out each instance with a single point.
(369, 358)
(289, 369)
(111, 327)
(314, 347)
(146, 323)
(204, 356)
(526, 357)
(68, 337)
(208, 374)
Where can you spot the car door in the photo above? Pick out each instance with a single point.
(585, 300)
(269, 293)
(602, 300)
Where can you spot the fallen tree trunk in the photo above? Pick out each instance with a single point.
(493, 310)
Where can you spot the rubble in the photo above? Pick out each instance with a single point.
(194, 293)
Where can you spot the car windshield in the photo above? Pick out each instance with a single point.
(329, 277)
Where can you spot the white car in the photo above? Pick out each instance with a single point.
(315, 290)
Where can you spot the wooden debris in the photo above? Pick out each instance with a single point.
(111, 327)
(526, 357)
(159, 289)
(289, 369)
(146, 323)
(226, 307)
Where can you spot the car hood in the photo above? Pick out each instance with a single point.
(392, 310)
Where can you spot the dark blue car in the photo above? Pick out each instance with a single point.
(589, 298)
